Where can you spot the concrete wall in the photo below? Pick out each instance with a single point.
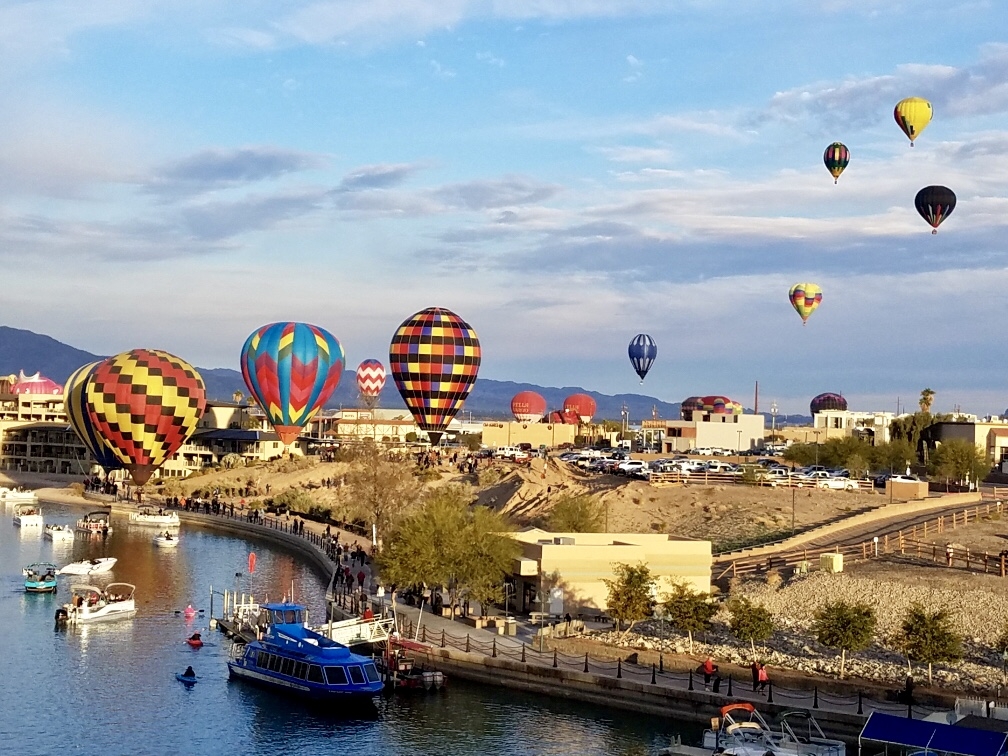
(721, 431)
(497, 434)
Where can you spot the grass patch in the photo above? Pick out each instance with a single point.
(749, 540)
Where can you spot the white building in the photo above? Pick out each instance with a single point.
(723, 431)
(872, 427)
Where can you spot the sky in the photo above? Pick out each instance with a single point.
(563, 174)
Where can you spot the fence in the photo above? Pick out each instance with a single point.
(703, 478)
(656, 674)
(908, 540)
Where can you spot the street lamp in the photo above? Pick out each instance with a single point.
(773, 420)
(738, 448)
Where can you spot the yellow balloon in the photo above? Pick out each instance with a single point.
(913, 115)
(805, 298)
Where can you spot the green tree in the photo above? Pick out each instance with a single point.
(958, 460)
(631, 592)
(688, 611)
(849, 627)
(750, 622)
(926, 400)
(470, 441)
(487, 557)
(928, 637)
(294, 499)
(380, 490)
(857, 466)
(576, 513)
(898, 454)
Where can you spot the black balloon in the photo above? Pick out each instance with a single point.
(935, 204)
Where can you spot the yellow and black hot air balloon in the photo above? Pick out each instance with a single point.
(836, 158)
(75, 402)
(805, 298)
(144, 404)
(913, 114)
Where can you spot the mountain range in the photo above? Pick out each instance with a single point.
(34, 352)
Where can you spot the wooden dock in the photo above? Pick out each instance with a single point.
(231, 630)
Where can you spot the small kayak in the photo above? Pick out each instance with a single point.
(195, 641)
(185, 679)
(189, 612)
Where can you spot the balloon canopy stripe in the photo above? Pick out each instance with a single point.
(145, 403)
(292, 369)
(75, 402)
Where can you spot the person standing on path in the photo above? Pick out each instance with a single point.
(755, 669)
(708, 668)
(948, 554)
(764, 679)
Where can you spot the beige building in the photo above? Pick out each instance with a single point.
(569, 568)
(732, 432)
(550, 435)
(872, 427)
(990, 435)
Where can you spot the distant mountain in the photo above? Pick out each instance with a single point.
(31, 352)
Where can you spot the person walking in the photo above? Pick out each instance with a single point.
(754, 668)
(764, 679)
(709, 668)
(948, 554)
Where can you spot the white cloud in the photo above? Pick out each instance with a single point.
(442, 72)
(490, 59)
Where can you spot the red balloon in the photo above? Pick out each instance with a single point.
(582, 404)
(528, 407)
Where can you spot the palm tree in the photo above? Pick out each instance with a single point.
(926, 400)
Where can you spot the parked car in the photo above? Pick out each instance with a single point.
(837, 484)
(631, 466)
(812, 478)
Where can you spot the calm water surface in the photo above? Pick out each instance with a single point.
(110, 689)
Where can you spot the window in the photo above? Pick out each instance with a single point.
(300, 670)
(290, 617)
(371, 672)
(356, 676)
(315, 674)
(336, 675)
(262, 659)
(274, 663)
(287, 668)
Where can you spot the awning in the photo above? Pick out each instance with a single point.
(933, 736)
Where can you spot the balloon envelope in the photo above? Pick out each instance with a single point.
(913, 114)
(528, 407)
(582, 404)
(805, 298)
(75, 402)
(292, 369)
(144, 404)
(370, 380)
(935, 204)
(827, 401)
(642, 352)
(836, 158)
(434, 358)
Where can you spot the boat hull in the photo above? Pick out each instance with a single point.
(166, 543)
(299, 688)
(112, 615)
(58, 535)
(45, 587)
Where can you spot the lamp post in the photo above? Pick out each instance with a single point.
(773, 421)
(738, 448)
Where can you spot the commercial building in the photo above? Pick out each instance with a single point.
(569, 569)
(990, 435)
(715, 430)
(872, 427)
(550, 435)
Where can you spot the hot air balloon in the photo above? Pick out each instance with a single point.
(805, 298)
(144, 404)
(935, 204)
(827, 401)
(528, 407)
(434, 358)
(370, 381)
(913, 115)
(720, 405)
(642, 351)
(75, 403)
(836, 158)
(292, 369)
(688, 406)
(582, 404)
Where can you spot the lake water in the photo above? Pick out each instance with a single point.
(110, 689)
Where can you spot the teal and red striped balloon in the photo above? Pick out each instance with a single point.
(291, 369)
(836, 158)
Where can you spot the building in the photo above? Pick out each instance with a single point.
(872, 427)
(550, 435)
(652, 434)
(714, 430)
(570, 568)
(990, 435)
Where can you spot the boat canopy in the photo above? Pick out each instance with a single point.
(932, 736)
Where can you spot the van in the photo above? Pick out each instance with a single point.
(507, 452)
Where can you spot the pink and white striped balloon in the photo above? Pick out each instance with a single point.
(370, 380)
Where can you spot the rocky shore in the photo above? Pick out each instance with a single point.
(979, 616)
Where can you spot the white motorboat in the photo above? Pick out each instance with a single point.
(16, 495)
(58, 533)
(92, 604)
(166, 540)
(89, 566)
(742, 731)
(95, 523)
(160, 518)
(27, 516)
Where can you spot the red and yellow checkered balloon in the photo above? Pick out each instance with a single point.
(144, 404)
(434, 358)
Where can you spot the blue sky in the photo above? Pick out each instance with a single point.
(563, 174)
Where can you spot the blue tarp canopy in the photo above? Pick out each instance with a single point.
(934, 736)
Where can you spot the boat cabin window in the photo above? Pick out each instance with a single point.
(300, 670)
(336, 675)
(356, 675)
(274, 663)
(287, 668)
(371, 672)
(262, 659)
(291, 617)
(315, 674)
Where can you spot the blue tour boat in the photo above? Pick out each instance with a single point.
(40, 577)
(290, 657)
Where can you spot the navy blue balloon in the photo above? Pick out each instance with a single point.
(642, 351)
